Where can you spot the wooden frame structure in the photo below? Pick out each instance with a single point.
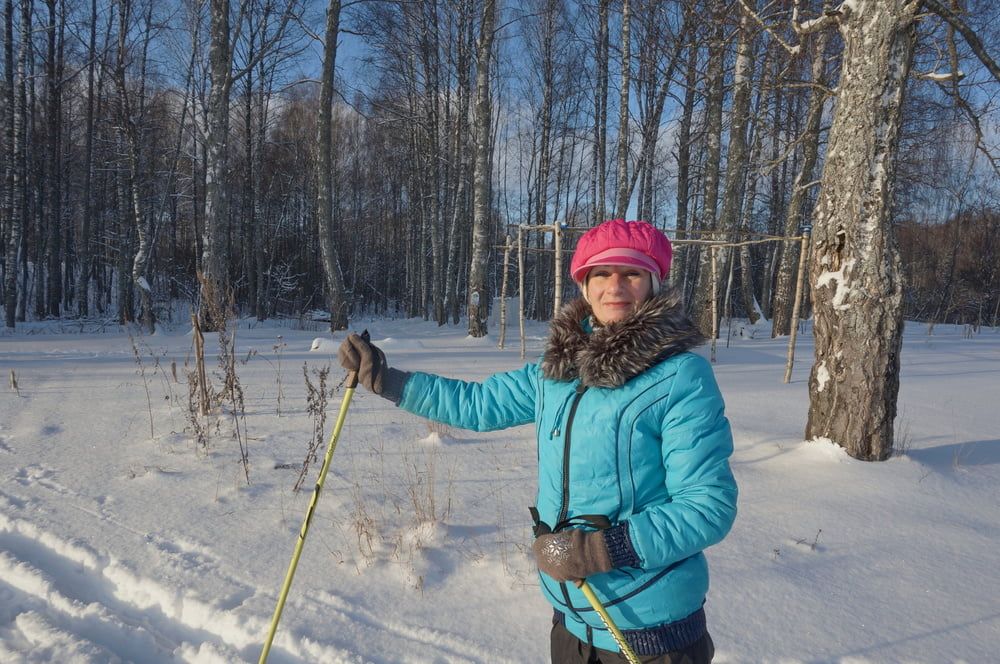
(713, 245)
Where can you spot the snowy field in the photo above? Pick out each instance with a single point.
(122, 545)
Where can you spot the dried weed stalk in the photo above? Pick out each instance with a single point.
(316, 400)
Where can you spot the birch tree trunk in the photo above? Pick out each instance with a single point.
(788, 263)
(678, 271)
(10, 213)
(214, 257)
(598, 165)
(703, 307)
(83, 245)
(430, 60)
(53, 182)
(335, 297)
(544, 148)
(19, 167)
(460, 156)
(622, 197)
(478, 304)
(855, 274)
(130, 117)
(738, 159)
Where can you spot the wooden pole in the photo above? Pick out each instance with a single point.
(715, 300)
(799, 281)
(520, 284)
(503, 293)
(199, 353)
(557, 241)
(727, 307)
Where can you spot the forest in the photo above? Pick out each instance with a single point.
(284, 158)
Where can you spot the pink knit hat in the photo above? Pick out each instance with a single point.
(620, 242)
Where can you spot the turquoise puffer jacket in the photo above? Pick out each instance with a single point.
(630, 427)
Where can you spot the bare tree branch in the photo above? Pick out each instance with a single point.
(829, 18)
(940, 77)
(976, 126)
(792, 49)
(967, 33)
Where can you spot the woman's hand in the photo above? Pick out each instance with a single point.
(359, 355)
(571, 555)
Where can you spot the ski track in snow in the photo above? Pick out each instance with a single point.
(62, 600)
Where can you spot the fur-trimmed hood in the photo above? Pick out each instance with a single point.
(611, 355)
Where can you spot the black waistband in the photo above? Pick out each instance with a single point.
(661, 639)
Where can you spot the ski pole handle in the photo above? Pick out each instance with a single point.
(616, 633)
(351, 380)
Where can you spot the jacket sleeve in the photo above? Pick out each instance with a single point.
(697, 444)
(503, 400)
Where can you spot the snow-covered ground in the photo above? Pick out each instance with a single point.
(121, 546)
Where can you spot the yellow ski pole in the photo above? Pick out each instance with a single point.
(352, 382)
(619, 638)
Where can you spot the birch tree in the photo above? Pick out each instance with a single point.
(83, 245)
(715, 94)
(19, 167)
(678, 272)
(478, 303)
(131, 106)
(52, 182)
(598, 173)
(336, 301)
(11, 215)
(781, 315)
(737, 159)
(215, 240)
(855, 272)
(622, 197)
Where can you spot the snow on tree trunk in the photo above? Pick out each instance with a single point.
(478, 305)
(855, 276)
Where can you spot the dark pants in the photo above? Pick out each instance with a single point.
(567, 649)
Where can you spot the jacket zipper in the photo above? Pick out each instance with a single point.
(567, 442)
(564, 506)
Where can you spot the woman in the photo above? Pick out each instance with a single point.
(633, 450)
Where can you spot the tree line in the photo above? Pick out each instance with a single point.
(146, 144)
(231, 154)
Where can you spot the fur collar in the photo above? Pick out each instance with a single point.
(611, 355)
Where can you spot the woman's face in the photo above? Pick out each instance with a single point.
(614, 291)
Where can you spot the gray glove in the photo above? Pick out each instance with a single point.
(571, 555)
(357, 354)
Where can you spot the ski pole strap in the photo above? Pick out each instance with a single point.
(595, 521)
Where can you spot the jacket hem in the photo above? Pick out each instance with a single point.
(658, 640)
